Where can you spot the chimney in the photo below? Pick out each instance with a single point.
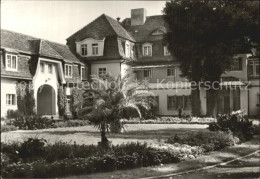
(138, 16)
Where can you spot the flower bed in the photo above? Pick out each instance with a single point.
(209, 141)
(171, 120)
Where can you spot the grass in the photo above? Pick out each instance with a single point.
(88, 135)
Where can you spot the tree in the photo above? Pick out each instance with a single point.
(204, 37)
(110, 99)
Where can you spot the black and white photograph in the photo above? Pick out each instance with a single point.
(130, 89)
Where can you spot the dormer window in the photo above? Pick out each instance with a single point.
(157, 32)
(95, 49)
(166, 50)
(147, 50)
(84, 49)
(68, 71)
(11, 62)
(127, 49)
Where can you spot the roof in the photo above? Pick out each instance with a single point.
(13, 41)
(100, 28)
(143, 33)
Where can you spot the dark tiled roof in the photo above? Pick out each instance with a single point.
(120, 31)
(64, 51)
(143, 33)
(100, 28)
(46, 50)
(17, 41)
(31, 45)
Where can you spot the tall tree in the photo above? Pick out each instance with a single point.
(205, 35)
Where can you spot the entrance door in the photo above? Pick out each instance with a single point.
(46, 100)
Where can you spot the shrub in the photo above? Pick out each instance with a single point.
(210, 141)
(6, 128)
(32, 148)
(236, 123)
(76, 159)
(62, 101)
(25, 99)
(71, 123)
(33, 122)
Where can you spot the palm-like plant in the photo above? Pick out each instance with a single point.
(110, 99)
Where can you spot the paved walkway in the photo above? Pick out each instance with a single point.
(212, 158)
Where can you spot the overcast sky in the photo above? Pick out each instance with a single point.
(57, 20)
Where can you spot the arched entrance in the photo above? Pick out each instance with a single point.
(46, 100)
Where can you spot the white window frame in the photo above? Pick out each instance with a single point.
(174, 72)
(84, 49)
(254, 64)
(69, 75)
(10, 99)
(149, 73)
(81, 74)
(146, 53)
(127, 49)
(11, 68)
(50, 68)
(94, 48)
(166, 51)
(98, 70)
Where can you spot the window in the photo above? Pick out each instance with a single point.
(236, 100)
(156, 106)
(11, 62)
(176, 102)
(237, 64)
(10, 99)
(84, 49)
(127, 50)
(147, 50)
(166, 51)
(94, 49)
(171, 72)
(50, 68)
(157, 32)
(83, 73)
(253, 68)
(68, 71)
(102, 71)
(42, 67)
(147, 73)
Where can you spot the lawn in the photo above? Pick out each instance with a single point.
(150, 133)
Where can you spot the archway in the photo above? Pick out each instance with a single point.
(46, 100)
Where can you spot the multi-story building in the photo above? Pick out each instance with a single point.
(107, 45)
(45, 65)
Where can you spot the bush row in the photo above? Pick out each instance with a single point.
(35, 159)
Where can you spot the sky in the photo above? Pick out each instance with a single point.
(57, 20)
